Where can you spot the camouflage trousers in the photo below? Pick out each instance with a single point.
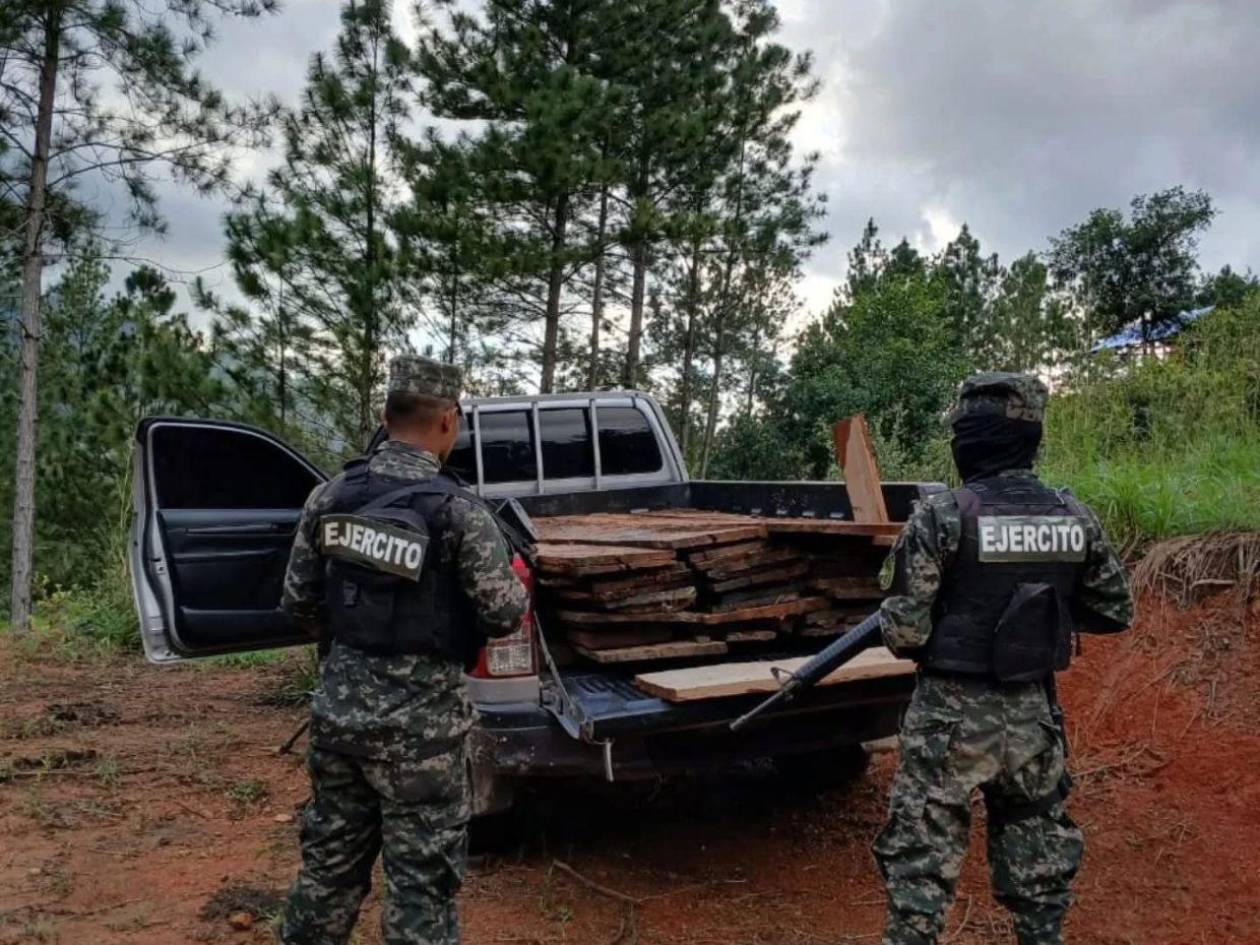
(960, 735)
(414, 811)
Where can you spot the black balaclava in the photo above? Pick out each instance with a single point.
(986, 444)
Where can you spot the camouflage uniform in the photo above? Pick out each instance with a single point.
(387, 761)
(963, 733)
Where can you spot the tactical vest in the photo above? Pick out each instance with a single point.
(388, 590)
(1004, 609)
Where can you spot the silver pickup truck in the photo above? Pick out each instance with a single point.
(216, 504)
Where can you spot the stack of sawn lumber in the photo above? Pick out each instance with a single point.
(635, 587)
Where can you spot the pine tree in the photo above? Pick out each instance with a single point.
(61, 131)
(526, 70)
(767, 207)
(316, 244)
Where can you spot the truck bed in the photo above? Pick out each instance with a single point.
(613, 538)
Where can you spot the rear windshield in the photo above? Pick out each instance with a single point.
(507, 446)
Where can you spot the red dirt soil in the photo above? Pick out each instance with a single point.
(147, 806)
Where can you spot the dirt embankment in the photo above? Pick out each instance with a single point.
(147, 806)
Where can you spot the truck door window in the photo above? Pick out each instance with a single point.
(507, 447)
(216, 468)
(567, 451)
(627, 444)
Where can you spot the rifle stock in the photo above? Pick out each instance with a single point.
(862, 637)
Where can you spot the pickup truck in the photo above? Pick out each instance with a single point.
(216, 505)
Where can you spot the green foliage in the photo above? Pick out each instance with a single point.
(890, 354)
(1140, 269)
(315, 249)
(1168, 446)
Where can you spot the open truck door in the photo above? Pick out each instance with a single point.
(216, 508)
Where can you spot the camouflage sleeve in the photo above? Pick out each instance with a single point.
(1105, 599)
(303, 595)
(484, 565)
(913, 573)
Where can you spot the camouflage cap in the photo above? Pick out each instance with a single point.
(1017, 396)
(413, 374)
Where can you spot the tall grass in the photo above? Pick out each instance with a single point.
(1167, 446)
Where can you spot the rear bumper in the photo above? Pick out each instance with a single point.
(524, 740)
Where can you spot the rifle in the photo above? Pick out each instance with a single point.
(862, 637)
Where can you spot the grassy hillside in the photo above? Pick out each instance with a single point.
(1171, 446)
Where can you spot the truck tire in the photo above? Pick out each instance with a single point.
(823, 770)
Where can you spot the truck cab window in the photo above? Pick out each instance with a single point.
(463, 461)
(507, 447)
(567, 451)
(217, 468)
(627, 445)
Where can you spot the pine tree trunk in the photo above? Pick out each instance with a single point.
(32, 283)
(689, 349)
(638, 290)
(555, 283)
(710, 424)
(597, 297)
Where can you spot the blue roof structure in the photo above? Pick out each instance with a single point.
(1130, 336)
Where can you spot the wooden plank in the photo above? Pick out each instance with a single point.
(746, 564)
(861, 473)
(617, 586)
(598, 561)
(635, 596)
(761, 595)
(761, 577)
(660, 651)
(691, 617)
(751, 636)
(654, 602)
(710, 556)
(848, 589)
(737, 679)
(611, 639)
(553, 532)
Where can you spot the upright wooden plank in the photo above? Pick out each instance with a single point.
(738, 679)
(861, 474)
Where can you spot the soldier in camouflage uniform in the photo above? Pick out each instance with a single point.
(988, 582)
(388, 722)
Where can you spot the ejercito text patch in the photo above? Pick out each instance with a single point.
(374, 544)
(1031, 538)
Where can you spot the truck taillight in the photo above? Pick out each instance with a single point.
(512, 655)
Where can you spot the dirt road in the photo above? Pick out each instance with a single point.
(148, 806)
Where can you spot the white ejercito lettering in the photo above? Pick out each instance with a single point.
(381, 546)
(1031, 538)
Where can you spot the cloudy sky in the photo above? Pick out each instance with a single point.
(1015, 116)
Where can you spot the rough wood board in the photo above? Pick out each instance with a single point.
(611, 639)
(760, 577)
(761, 595)
(671, 601)
(737, 679)
(598, 553)
(645, 536)
(747, 564)
(766, 612)
(861, 474)
(715, 555)
(615, 586)
(627, 598)
(750, 636)
(659, 651)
